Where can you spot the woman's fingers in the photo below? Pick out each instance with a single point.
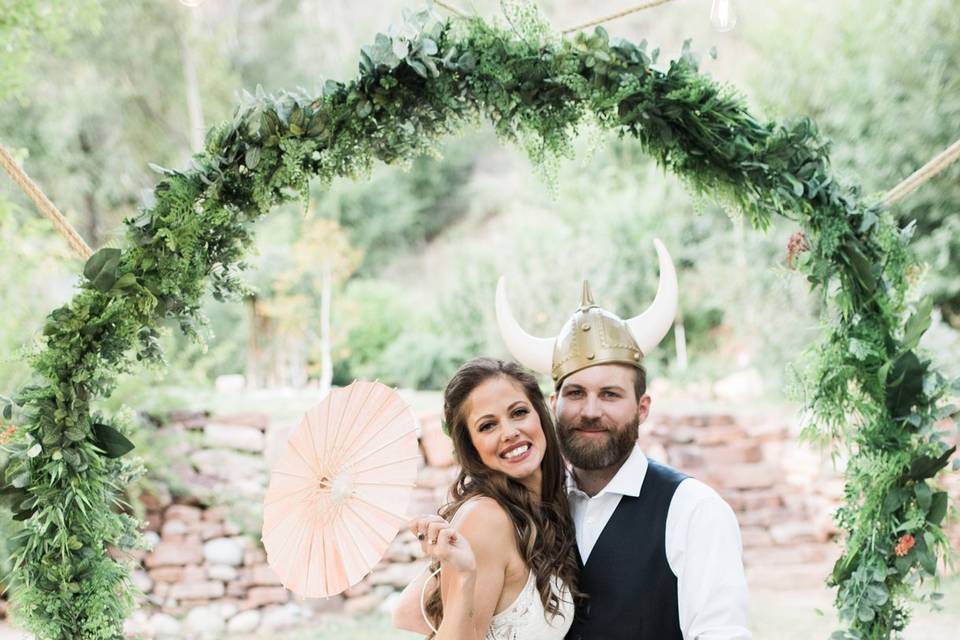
(418, 526)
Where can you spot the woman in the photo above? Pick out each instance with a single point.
(505, 542)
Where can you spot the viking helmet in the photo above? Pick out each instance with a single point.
(593, 335)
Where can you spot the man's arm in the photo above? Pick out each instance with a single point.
(705, 553)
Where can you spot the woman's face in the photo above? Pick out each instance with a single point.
(506, 431)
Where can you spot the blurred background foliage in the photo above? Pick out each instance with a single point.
(94, 91)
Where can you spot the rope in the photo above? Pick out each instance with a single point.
(449, 7)
(646, 5)
(939, 162)
(614, 16)
(43, 203)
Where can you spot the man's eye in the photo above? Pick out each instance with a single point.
(611, 394)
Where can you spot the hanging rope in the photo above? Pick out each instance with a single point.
(614, 16)
(939, 162)
(449, 7)
(43, 203)
(620, 14)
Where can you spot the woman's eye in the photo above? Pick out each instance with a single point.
(520, 413)
(486, 426)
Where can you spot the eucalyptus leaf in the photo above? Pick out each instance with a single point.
(101, 268)
(918, 323)
(938, 507)
(113, 443)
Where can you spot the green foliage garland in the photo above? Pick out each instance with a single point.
(870, 388)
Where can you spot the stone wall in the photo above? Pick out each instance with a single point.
(206, 572)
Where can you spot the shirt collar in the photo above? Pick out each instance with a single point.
(626, 482)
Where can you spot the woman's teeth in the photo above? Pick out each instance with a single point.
(519, 451)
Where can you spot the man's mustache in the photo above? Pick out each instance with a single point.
(595, 424)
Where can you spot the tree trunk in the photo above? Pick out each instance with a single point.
(680, 338)
(194, 104)
(326, 358)
(253, 345)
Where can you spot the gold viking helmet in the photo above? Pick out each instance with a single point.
(593, 335)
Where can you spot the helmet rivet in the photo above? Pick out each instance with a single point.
(591, 356)
(636, 356)
(585, 327)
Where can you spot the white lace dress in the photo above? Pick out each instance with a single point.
(526, 618)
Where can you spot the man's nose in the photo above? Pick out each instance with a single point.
(591, 407)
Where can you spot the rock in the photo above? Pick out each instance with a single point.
(260, 596)
(254, 557)
(173, 528)
(244, 622)
(229, 465)
(397, 575)
(209, 530)
(137, 625)
(249, 419)
(262, 575)
(720, 434)
(141, 580)
(183, 513)
(363, 604)
(743, 476)
(164, 626)
(755, 537)
(792, 533)
(206, 622)
(175, 554)
(280, 617)
(437, 446)
(223, 551)
(223, 572)
(152, 539)
(233, 437)
(157, 498)
(216, 514)
(166, 574)
(208, 590)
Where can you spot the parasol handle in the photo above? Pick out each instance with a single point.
(423, 595)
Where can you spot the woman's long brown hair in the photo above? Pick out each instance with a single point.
(544, 531)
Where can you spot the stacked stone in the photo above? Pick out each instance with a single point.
(782, 492)
(203, 577)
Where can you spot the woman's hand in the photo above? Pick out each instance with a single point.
(441, 542)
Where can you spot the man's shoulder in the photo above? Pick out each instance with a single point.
(698, 499)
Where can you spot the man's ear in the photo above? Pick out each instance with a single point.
(643, 407)
(553, 402)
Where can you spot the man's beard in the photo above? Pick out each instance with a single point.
(593, 453)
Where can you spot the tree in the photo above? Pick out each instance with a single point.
(882, 79)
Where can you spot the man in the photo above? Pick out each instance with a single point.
(660, 553)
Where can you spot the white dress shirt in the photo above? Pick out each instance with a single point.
(703, 549)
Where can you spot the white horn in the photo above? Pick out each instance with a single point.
(652, 325)
(530, 351)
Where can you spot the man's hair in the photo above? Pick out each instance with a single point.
(639, 381)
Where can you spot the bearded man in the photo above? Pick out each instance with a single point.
(660, 553)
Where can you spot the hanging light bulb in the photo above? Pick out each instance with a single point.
(722, 15)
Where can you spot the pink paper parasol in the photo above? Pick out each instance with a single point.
(338, 494)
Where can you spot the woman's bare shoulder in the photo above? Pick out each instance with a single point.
(484, 518)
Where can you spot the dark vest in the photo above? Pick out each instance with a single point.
(632, 591)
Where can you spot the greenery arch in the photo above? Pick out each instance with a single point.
(869, 389)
